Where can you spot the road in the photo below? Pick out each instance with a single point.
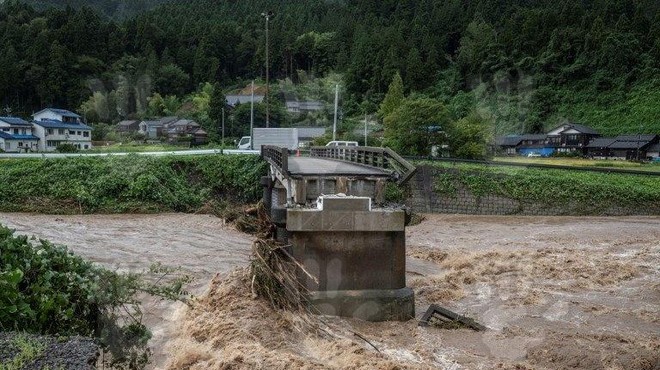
(163, 153)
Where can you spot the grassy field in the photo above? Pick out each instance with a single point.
(583, 162)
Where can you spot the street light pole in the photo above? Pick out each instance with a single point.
(267, 16)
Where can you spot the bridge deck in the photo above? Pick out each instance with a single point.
(306, 166)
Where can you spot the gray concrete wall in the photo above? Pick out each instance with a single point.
(424, 197)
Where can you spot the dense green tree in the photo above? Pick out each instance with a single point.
(393, 98)
(172, 80)
(469, 137)
(415, 126)
(217, 105)
(593, 52)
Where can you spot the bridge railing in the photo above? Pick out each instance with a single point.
(384, 158)
(276, 156)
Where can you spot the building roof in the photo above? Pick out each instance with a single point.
(16, 121)
(511, 140)
(167, 120)
(51, 123)
(127, 122)
(601, 142)
(654, 148)
(150, 124)
(309, 105)
(8, 136)
(636, 137)
(641, 144)
(533, 137)
(576, 126)
(185, 122)
(61, 112)
(233, 100)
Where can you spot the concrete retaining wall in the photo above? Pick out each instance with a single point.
(425, 196)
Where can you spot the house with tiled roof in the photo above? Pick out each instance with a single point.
(628, 147)
(16, 135)
(189, 129)
(571, 137)
(54, 126)
(128, 126)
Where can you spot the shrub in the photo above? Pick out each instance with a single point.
(46, 289)
(66, 148)
(128, 184)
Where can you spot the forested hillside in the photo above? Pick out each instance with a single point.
(523, 66)
(118, 9)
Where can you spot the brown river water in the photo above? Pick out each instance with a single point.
(554, 292)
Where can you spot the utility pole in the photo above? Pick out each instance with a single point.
(334, 124)
(252, 116)
(223, 127)
(267, 16)
(365, 128)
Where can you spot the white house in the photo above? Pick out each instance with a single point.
(58, 126)
(16, 135)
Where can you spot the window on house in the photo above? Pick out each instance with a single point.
(16, 131)
(23, 131)
(71, 132)
(49, 131)
(60, 131)
(79, 133)
(85, 133)
(20, 143)
(86, 146)
(5, 129)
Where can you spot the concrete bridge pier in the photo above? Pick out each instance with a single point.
(356, 253)
(358, 256)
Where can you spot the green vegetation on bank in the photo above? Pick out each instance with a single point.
(577, 192)
(46, 289)
(129, 184)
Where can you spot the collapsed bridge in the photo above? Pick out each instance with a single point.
(329, 207)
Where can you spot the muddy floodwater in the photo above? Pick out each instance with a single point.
(554, 292)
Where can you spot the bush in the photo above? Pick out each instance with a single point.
(66, 148)
(46, 289)
(128, 184)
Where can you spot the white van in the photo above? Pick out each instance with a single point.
(342, 143)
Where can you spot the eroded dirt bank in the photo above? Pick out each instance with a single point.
(556, 292)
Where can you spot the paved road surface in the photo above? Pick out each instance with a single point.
(322, 166)
(173, 152)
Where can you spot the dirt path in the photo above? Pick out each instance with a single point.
(556, 292)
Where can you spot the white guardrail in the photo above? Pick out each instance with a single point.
(174, 152)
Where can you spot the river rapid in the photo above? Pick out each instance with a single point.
(555, 292)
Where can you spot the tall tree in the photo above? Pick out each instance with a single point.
(415, 126)
(216, 108)
(393, 98)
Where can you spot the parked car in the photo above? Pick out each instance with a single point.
(342, 143)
